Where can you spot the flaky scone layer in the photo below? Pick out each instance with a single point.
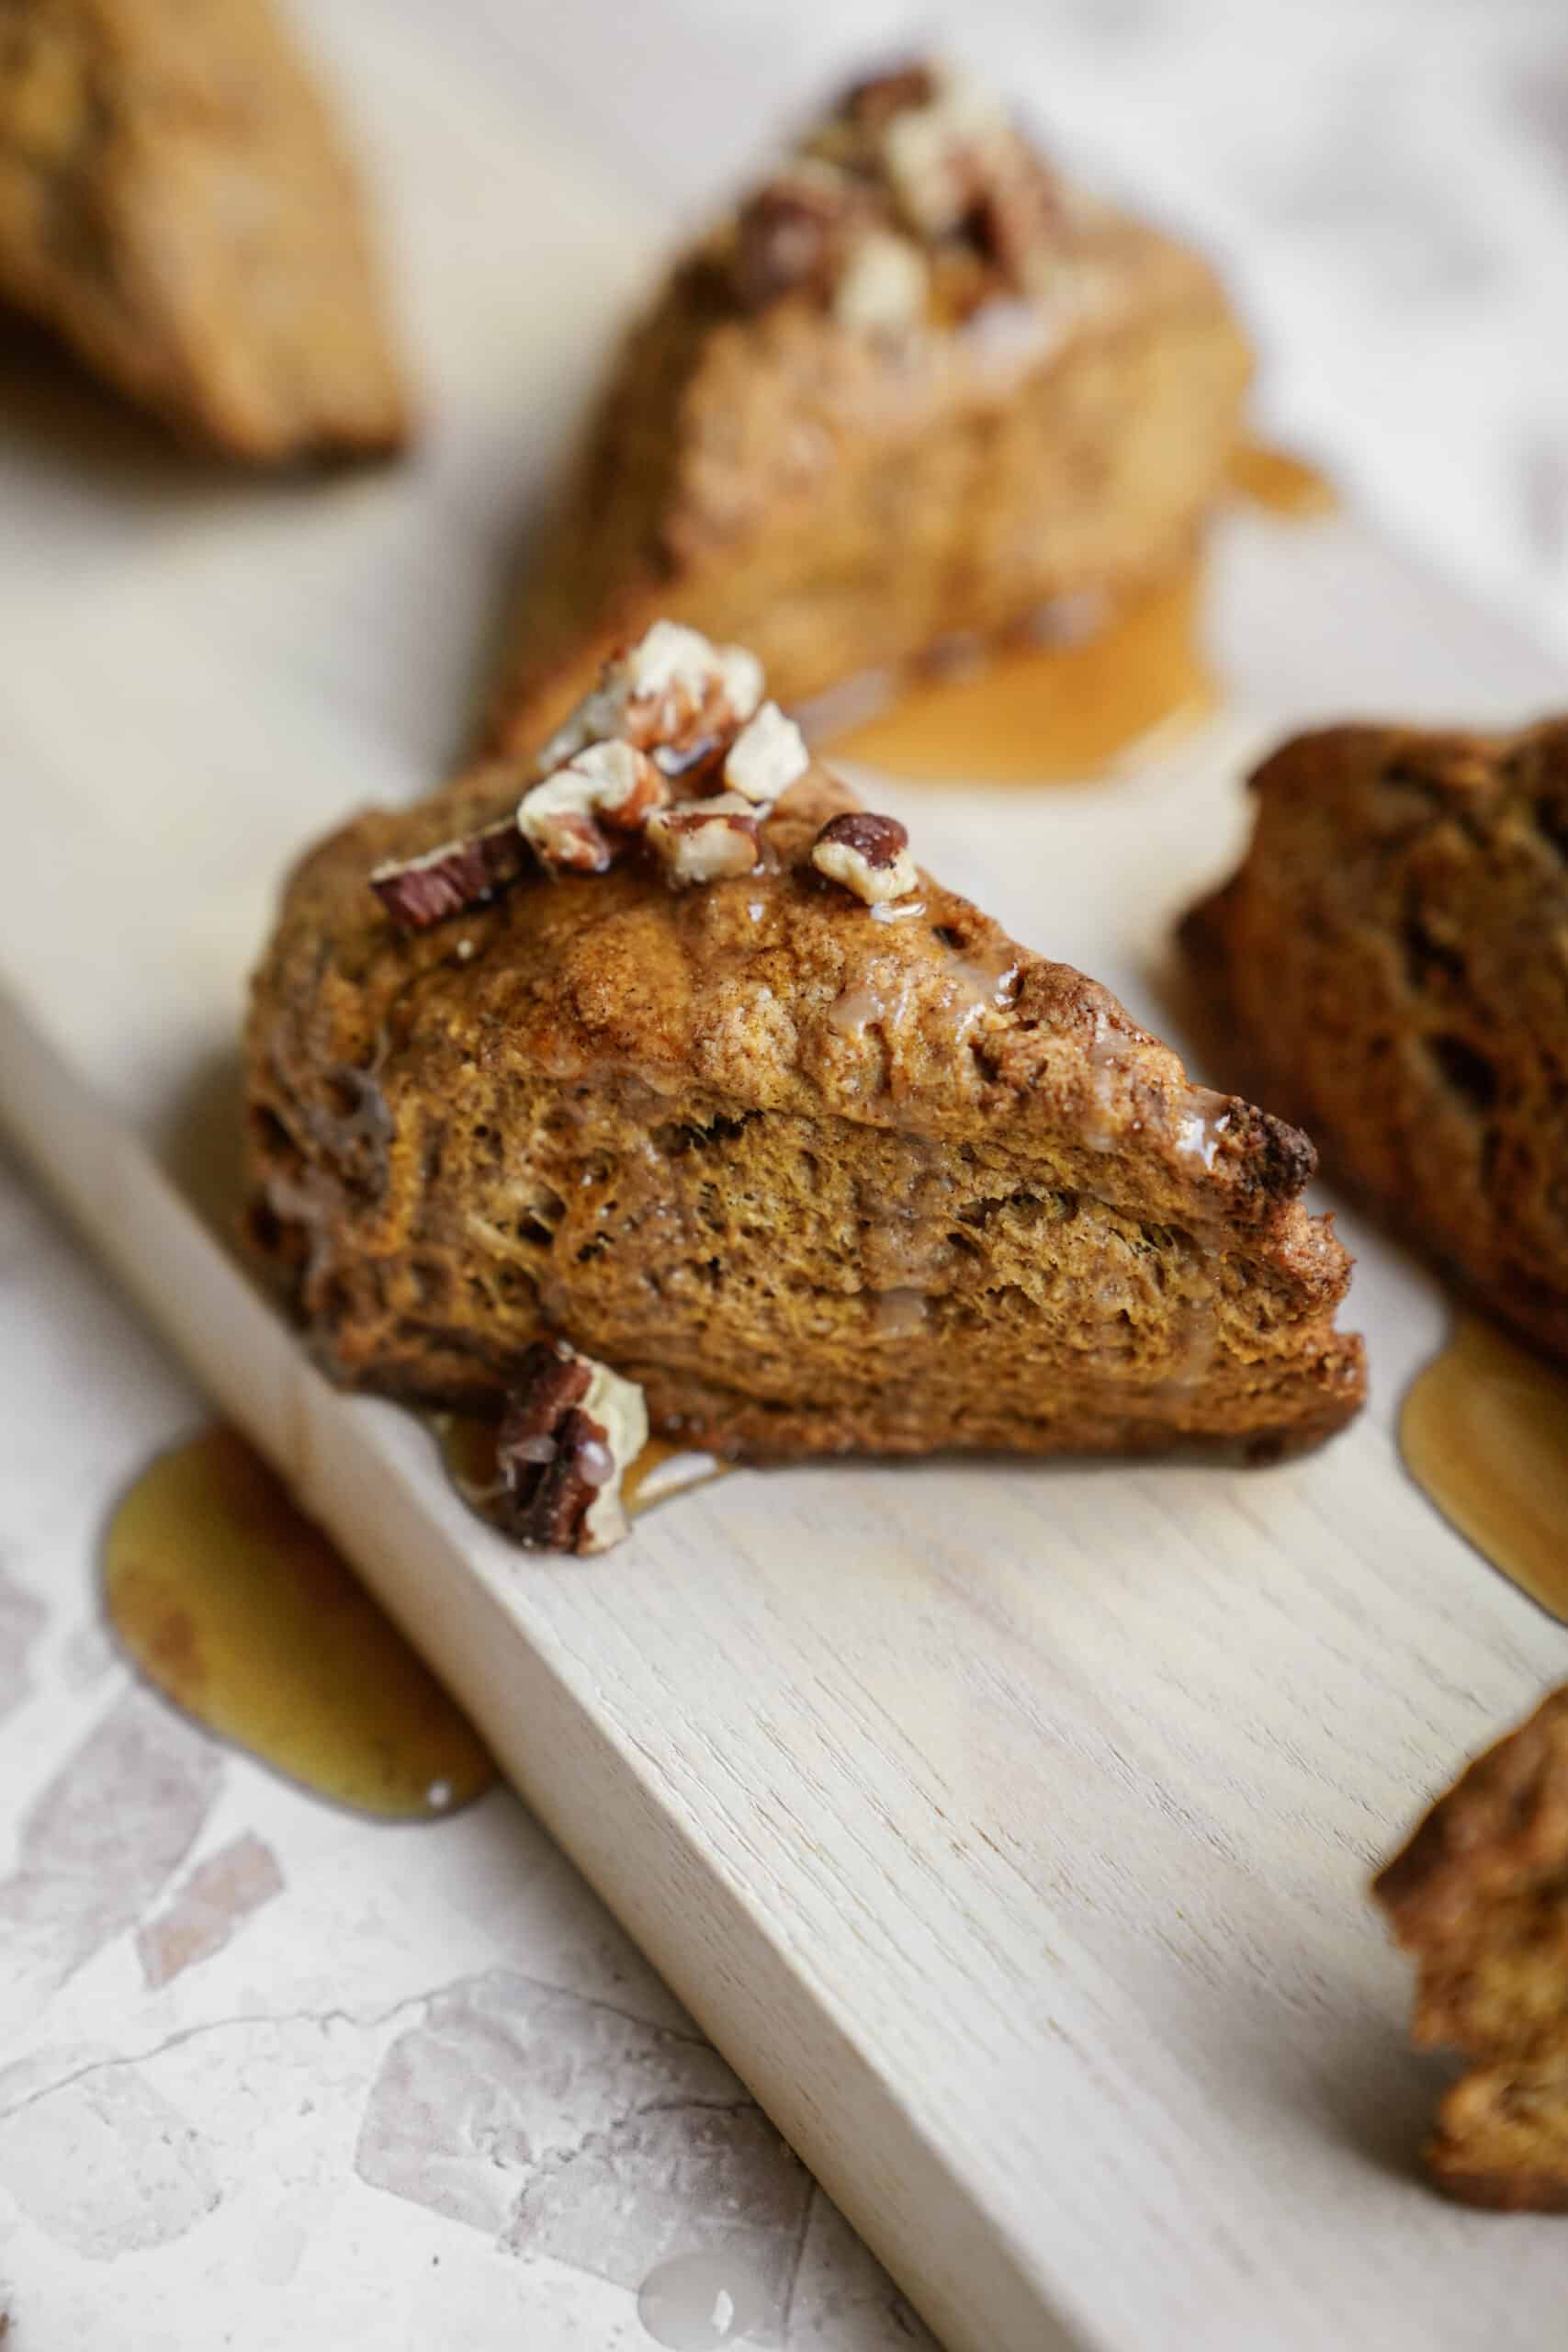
(818, 1179)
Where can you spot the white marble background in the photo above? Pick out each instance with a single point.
(271, 2076)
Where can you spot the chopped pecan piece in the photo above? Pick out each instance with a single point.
(1017, 219)
(939, 157)
(788, 234)
(672, 691)
(885, 283)
(874, 101)
(693, 767)
(767, 756)
(570, 1429)
(868, 855)
(707, 840)
(611, 785)
(419, 891)
(959, 166)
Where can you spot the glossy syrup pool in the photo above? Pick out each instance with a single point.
(1051, 708)
(245, 1614)
(1273, 479)
(1089, 687)
(1484, 1431)
(696, 2303)
(659, 1471)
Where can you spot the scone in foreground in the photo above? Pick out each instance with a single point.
(1393, 959)
(175, 202)
(914, 391)
(1480, 1898)
(749, 1109)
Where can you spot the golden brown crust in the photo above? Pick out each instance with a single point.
(1501, 2140)
(1393, 959)
(1471, 1893)
(818, 1179)
(175, 202)
(1497, 2192)
(1479, 1895)
(842, 501)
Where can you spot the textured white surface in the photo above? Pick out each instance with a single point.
(1007, 1827)
(426, 2093)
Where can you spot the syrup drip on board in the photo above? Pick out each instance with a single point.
(1485, 1433)
(1090, 688)
(244, 1612)
(659, 1471)
(1280, 483)
(1050, 710)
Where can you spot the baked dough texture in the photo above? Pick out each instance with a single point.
(847, 498)
(820, 1176)
(1479, 1897)
(175, 204)
(1390, 961)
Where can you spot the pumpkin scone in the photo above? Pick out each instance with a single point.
(657, 1046)
(914, 391)
(175, 204)
(1391, 958)
(1479, 1899)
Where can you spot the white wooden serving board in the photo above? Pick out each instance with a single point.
(1007, 1826)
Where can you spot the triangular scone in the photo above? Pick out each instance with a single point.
(174, 203)
(913, 391)
(1480, 1898)
(811, 1150)
(1389, 959)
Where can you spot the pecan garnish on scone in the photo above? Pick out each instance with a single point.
(604, 785)
(872, 103)
(670, 693)
(419, 891)
(674, 746)
(868, 855)
(699, 764)
(707, 839)
(570, 1429)
(917, 185)
(767, 756)
(790, 234)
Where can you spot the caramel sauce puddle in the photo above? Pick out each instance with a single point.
(1089, 686)
(1280, 482)
(1485, 1433)
(245, 1613)
(1043, 711)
